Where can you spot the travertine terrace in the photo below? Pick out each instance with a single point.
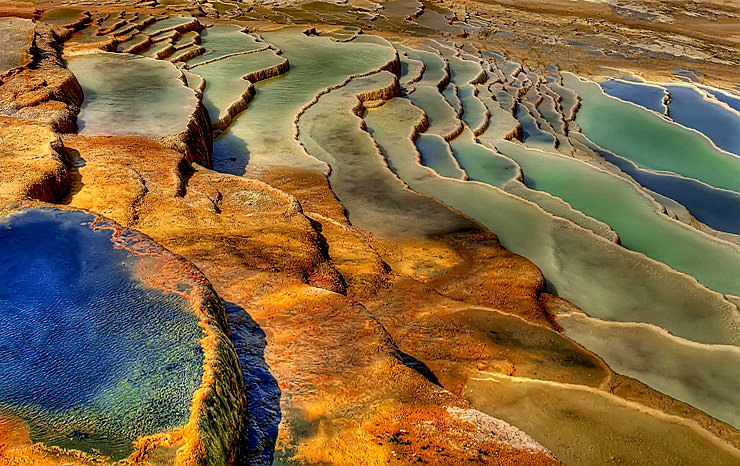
(410, 232)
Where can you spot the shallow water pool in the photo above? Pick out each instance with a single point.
(91, 358)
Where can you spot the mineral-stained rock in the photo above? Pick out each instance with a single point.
(45, 91)
(347, 397)
(16, 42)
(32, 164)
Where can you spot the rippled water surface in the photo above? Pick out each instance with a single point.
(91, 358)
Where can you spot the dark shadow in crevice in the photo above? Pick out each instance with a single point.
(74, 162)
(262, 389)
(413, 363)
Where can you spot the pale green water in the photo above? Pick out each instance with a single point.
(181, 54)
(603, 278)
(131, 95)
(569, 99)
(435, 66)
(410, 68)
(701, 375)
(262, 135)
(437, 155)
(548, 110)
(137, 39)
(651, 141)
(187, 39)
(374, 197)
(156, 48)
(224, 79)
(474, 112)
(534, 136)
(502, 123)
(450, 95)
(587, 427)
(632, 214)
(223, 39)
(481, 163)
(442, 117)
(463, 71)
(168, 23)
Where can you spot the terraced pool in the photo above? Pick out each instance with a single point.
(92, 357)
(127, 95)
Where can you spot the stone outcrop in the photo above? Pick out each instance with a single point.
(33, 166)
(196, 141)
(44, 91)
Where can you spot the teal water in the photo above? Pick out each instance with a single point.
(262, 135)
(602, 278)
(632, 214)
(690, 108)
(717, 208)
(91, 357)
(651, 141)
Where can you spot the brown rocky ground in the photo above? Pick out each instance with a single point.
(344, 362)
(345, 390)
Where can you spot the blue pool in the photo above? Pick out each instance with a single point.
(90, 357)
